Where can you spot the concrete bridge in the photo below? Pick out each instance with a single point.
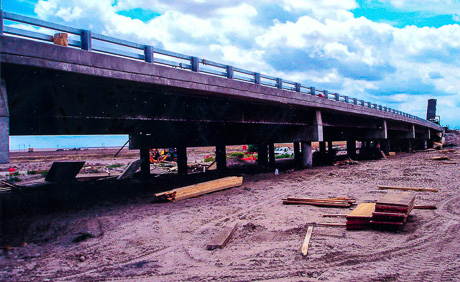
(103, 85)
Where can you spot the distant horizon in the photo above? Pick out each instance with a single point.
(23, 143)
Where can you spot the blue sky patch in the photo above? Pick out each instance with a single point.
(140, 14)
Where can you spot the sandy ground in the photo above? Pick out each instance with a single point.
(143, 240)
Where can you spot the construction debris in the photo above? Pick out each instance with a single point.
(392, 154)
(306, 242)
(406, 188)
(360, 217)
(222, 238)
(393, 208)
(346, 162)
(199, 189)
(326, 202)
(448, 162)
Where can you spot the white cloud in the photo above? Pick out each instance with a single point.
(318, 43)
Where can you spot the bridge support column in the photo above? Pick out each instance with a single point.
(271, 156)
(322, 147)
(351, 149)
(4, 124)
(307, 155)
(221, 157)
(297, 156)
(145, 166)
(262, 156)
(409, 145)
(182, 168)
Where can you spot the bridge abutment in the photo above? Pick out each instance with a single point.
(4, 123)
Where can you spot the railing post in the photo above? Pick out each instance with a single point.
(369, 105)
(326, 94)
(85, 39)
(1, 22)
(355, 101)
(257, 78)
(279, 83)
(148, 52)
(297, 87)
(230, 72)
(195, 62)
(346, 99)
(312, 91)
(337, 97)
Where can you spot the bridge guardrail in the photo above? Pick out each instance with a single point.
(100, 43)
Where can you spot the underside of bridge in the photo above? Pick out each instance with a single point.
(53, 90)
(52, 102)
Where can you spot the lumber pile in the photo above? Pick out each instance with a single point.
(393, 208)
(199, 189)
(361, 216)
(339, 202)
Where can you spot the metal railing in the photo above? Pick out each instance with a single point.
(87, 40)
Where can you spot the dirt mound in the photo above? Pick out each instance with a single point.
(453, 138)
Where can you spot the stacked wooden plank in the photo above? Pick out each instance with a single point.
(361, 216)
(199, 189)
(393, 208)
(340, 202)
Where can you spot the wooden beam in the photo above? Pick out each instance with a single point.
(335, 215)
(332, 224)
(222, 238)
(200, 189)
(406, 188)
(306, 242)
(425, 207)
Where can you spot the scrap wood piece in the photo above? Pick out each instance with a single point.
(391, 153)
(406, 188)
(332, 224)
(327, 202)
(440, 158)
(383, 155)
(222, 238)
(448, 162)
(8, 184)
(306, 241)
(346, 162)
(335, 215)
(322, 204)
(425, 207)
(131, 169)
(200, 189)
(339, 199)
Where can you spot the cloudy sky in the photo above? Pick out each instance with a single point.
(397, 53)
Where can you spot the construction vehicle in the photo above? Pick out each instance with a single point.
(159, 155)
